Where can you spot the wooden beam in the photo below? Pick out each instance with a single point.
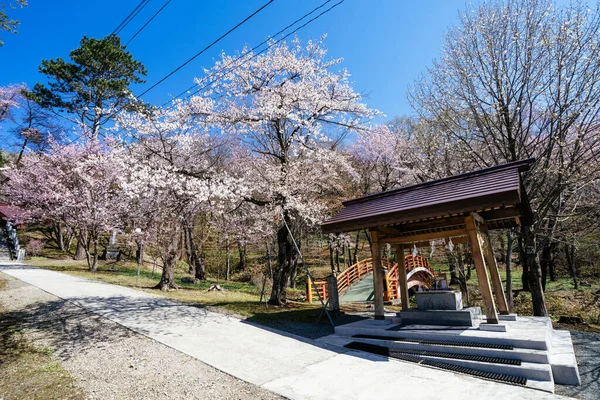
(482, 274)
(496, 281)
(426, 236)
(455, 240)
(386, 230)
(402, 280)
(377, 275)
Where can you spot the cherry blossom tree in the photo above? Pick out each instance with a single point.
(174, 174)
(383, 159)
(9, 100)
(78, 185)
(289, 109)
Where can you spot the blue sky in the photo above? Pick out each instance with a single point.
(385, 44)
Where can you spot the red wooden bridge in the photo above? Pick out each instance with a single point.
(418, 273)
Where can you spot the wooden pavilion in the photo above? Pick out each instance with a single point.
(463, 208)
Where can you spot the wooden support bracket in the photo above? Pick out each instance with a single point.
(482, 273)
(377, 275)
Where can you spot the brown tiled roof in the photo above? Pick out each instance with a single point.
(494, 187)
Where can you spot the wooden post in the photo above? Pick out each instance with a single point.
(482, 274)
(377, 276)
(402, 281)
(387, 288)
(496, 281)
(308, 290)
(332, 294)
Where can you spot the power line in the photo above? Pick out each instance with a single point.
(206, 48)
(262, 51)
(250, 51)
(130, 17)
(147, 22)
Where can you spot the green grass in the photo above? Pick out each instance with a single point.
(241, 297)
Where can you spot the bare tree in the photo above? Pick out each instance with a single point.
(521, 79)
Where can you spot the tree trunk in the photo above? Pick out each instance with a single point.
(552, 264)
(349, 256)
(167, 279)
(188, 248)
(196, 265)
(286, 257)
(462, 277)
(524, 265)
(368, 235)
(570, 255)
(242, 251)
(69, 241)
(59, 237)
(545, 263)
(535, 273)
(269, 264)
(139, 254)
(452, 265)
(294, 274)
(80, 252)
(21, 152)
(355, 255)
(94, 266)
(508, 262)
(92, 261)
(227, 263)
(332, 259)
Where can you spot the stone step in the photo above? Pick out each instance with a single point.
(526, 355)
(506, 373)
(562, 359)
(537, 338)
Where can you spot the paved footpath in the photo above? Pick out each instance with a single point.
(293, 367)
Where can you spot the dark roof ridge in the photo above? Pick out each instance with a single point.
(523, 165)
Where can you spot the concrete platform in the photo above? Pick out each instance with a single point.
(546, 355)
(526, 332)
(464, 317)
(562, 359)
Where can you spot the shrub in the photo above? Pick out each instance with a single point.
(35, 247)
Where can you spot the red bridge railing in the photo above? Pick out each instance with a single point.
(358, 271)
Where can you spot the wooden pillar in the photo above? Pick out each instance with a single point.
(495, 274)
(377, 275)
(308, 290)
(332, 294)
(402, 281)
(482, 274)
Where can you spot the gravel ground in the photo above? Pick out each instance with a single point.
(587, 351)
(112, 362)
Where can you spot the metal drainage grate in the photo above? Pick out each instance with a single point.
(438, 342)
(515, 380)
(385, 351)
(467, 357)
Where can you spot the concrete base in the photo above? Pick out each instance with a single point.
(546, 355)
(493, 327)
(439, 300)
(507, 317)
(379, 322)
(466, 317)
(562, 359)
